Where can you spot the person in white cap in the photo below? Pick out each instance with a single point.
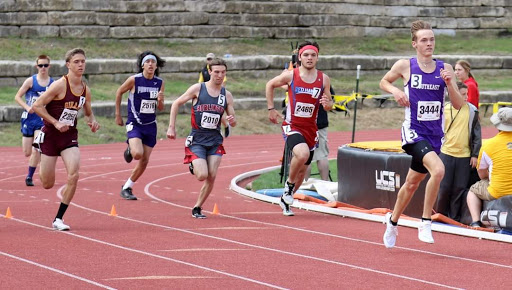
(204, 75)
(494, 166)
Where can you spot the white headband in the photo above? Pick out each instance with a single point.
(148, 57)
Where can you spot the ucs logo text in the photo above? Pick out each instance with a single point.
(387, 180)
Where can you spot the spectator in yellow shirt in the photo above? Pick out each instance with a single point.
(459, 153)
(494, 166)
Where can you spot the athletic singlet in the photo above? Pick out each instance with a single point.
(66, 110)
(302, 109)
(142, 104)
(32, 94)
(206, 117)
(425, 91)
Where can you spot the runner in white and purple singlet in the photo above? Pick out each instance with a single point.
(425, 80)
(145, 98)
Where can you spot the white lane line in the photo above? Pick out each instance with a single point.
(202, 250)
(379, 244)
(236, 228)
(256, 247)
(56, 270)
(151, 254)
(162, 278)
(146, 189)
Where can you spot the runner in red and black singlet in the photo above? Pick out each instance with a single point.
(203, 147)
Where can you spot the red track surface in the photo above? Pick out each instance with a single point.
(155, 243)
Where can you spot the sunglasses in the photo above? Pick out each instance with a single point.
(43, 65)
(209, 58)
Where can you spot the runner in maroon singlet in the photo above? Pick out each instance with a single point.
(59, 107)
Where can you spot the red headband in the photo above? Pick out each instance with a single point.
(309, 46)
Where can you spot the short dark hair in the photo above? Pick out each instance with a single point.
(73, 52)
(307, 42)
(42, 56)
(218, 61)
(461, 85)
(159, 62)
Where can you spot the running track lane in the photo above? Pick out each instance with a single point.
(154, 243)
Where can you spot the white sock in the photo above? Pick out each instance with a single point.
(129, 183)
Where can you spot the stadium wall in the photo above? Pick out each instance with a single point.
(248, 19)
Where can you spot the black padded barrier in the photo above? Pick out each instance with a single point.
(371, 179)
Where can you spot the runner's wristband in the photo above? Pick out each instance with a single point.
(270, 109)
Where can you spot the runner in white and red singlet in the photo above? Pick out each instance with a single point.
(308, 88)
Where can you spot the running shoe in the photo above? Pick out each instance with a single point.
(58, 224)
(286, 208)
(196, 212)
(287, 196)
(28, 181)
(391, 232)
(425, 232)
(128, 194)
(476, 224)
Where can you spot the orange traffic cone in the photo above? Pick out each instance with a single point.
(8, 214)
(215, 209)
(290, 66)
(113, 211)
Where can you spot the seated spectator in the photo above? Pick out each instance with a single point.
(494, 166)
(459, 153)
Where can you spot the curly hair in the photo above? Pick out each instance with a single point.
(159, 62)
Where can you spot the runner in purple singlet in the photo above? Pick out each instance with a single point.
(425, 81)
(146, 96)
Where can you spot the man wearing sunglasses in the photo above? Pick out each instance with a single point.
(31, 123)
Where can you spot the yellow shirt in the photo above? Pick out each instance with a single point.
(456, 139)
(496, 155)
